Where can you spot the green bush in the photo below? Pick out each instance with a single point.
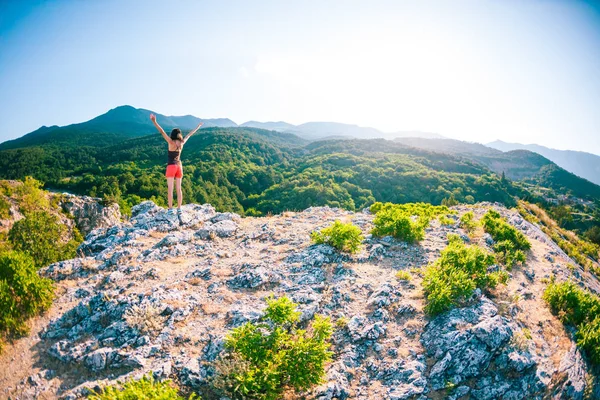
(394, 222)
(144, 389)
(4, 207)
(501, 230)
(42, 236)
(344, 237)
(445, 220)
(578, 307)
(267, 358)
(588, 337)
(510, 244)
(406, 222)
(507, 254)
(23, 293)
(30, 195)
(467, 221)
(403, 275)
(454, 276)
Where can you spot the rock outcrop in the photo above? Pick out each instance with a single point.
(89, 213)
(160, 292)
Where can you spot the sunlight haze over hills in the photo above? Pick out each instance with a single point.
(470, 70)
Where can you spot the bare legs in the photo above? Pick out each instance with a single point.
(179, 194)
(170, 192)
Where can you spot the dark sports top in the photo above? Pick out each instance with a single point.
(174, 157)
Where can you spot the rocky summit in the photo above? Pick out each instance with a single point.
(159, 293)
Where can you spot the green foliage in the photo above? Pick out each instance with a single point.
(147, 388)
(454, 276)
(404, 221)
(510, 244)
(30, 195)
(579, 249)
(403, 275)
(500, 230)
(269, 357)
(4, 207)
(450, 201)
(344, 237)
(42, 236)
(445, 220)
(467, 221)
(23, 293)
(240, 169)
(578, 307)
(507, 254)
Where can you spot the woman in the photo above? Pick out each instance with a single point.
(174, 167)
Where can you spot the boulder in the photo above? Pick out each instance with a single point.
(90, 213)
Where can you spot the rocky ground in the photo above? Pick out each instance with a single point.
(160, 292)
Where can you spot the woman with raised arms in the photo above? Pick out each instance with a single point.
(174, 168)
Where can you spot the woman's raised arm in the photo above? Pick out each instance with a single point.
(160, 129)
(189, 135)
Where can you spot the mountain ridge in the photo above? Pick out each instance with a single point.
(583, 164)
(130, 122)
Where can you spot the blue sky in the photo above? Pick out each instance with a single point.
(518, 70)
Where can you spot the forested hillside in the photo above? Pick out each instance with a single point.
(585, 165)
(120, 157)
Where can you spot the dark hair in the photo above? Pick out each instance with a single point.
(176, 134)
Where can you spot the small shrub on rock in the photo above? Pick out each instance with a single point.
(445, 220)
(580, 308)
(501, 230)
(42, 236)
(267, 358)
(144, 389)
(405, 222)
(394, 222)
(403, 275)
(467, 221)
(344, 237)
(23, 293)
(456, 274)
(510, 244)
(145, 318)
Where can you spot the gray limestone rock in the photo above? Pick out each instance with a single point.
(90, 213)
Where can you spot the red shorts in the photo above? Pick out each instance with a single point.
(174, 171)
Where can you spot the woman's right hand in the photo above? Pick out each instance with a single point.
(153, 117)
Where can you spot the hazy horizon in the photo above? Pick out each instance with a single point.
(479, 71)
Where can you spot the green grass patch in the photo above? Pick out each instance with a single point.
(455, 275)
(146, 388)
(403, 275)
(267, 358)
(582, 251)
(580, 308)
(343, 237)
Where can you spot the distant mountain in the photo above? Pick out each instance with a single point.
(585, 165)
(416, 134)
(331, 130)
(318, 130)
(120, 123)
(515, 164)
(279, 126)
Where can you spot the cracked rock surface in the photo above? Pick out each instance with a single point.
(158, 294)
